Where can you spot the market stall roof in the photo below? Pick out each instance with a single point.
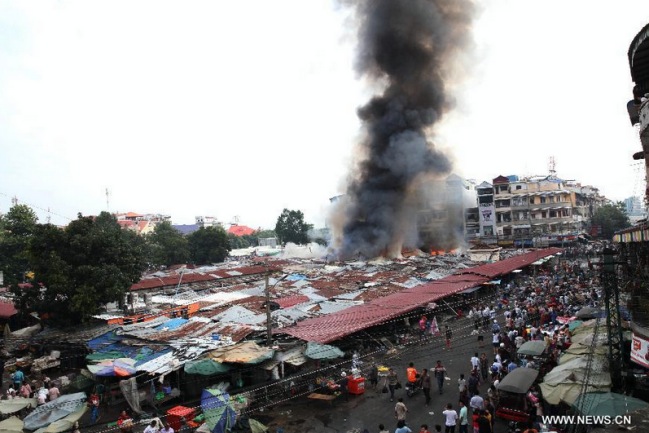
(519, 380)
(322, 351)
(64, 424)
(607, 404)
(206, 367)
(11, 425)
(16, 404)
(55, 410)
(331, 327)
(248, 352)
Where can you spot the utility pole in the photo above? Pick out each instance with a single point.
(269, 325)
(613, 320)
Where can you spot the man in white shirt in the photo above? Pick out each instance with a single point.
(451, 418)
(475, 361)
(152, 428)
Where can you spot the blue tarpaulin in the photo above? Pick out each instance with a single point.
(172, 324)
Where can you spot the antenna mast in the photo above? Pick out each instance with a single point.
(552, 166)
(107, 200)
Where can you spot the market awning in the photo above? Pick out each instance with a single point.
(322, 351)
(243, 353)
(296, 360)
(206, 367)
(14, 405)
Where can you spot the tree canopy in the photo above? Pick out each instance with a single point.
(611, 218)
(167, 246)
(77, 270)
(16, 230)
(208, 245)
(291, 227)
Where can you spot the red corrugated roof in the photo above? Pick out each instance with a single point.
(241, 230)
(325, 329)
(502, 267)
(289, 301)
(172, 280)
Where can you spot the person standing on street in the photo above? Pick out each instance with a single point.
(484, 425)
(461, 387)
(18, 378)
(463, 418)
(400, 411)
(425, 385)
(477, 402)
(392, 379)
(484, 366)
(440, 375)
(449, 335)
(93, 404)
(344, 384)
(451, 419)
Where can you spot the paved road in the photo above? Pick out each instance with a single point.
(373, 407)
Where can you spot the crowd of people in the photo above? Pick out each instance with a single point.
(535, 307)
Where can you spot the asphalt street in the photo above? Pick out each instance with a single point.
(372, 408)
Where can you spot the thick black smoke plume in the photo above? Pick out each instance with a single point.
(408, 48)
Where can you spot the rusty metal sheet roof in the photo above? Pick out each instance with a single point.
(503, 267)
(325, 329)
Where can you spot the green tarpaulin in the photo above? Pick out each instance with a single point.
(607, 404)
(322, 351)
(206, 367)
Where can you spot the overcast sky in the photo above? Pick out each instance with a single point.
(243, 108)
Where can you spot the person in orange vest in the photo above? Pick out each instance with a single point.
(411, 373)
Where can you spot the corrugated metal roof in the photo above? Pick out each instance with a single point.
(503, 267)
(290, 301)
(331, 327)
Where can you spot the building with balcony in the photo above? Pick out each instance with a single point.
(532, 211)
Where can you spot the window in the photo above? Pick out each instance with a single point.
(519, 186)
(489, 230)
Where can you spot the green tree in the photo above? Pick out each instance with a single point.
(93, 261)
(236, 242)
(291, 227)
(167, 246)
(208, 245)
(611, 218)
(265, 234)
(16, 230)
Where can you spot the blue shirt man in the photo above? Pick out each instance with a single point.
(512, 366)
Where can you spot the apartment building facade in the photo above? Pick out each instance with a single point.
(532, 211)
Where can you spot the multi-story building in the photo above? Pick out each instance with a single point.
(208, 221)
(441, 217)
(532, 211)
(635, 209)
(142, 224)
